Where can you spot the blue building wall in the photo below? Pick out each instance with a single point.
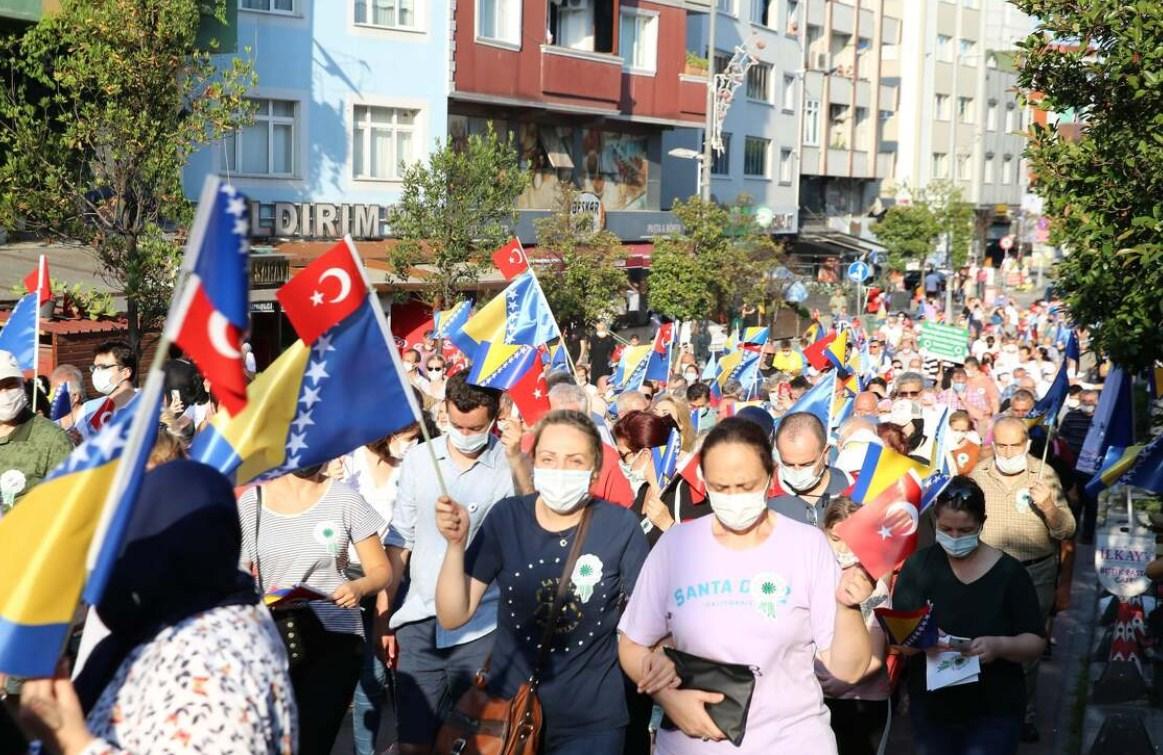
(320, 58)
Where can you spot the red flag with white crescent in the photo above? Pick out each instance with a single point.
(531, 392)
(883, 532)
(324, 293)
(511, 260)
(103, 414)
(214, 343)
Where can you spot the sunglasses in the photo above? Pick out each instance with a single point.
(908, 394)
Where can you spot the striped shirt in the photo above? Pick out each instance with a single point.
(310, 548)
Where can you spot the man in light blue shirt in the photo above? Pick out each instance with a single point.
(437, 665)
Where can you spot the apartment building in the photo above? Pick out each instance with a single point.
(760, 158)
(848, 139)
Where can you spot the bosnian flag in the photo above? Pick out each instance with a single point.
(212, 315)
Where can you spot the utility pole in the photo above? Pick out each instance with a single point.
(709, 126)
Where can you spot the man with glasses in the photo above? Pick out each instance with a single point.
(1026, 517)
(910, 385)
(113, 374)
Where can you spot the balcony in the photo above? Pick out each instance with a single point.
(843, 18)
(581, 75)
(885, 164)
(840, 91)
(692, 96)
(888, 99)
(863, 94)
(837, 162)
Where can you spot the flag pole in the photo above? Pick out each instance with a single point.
(36, 334)
(394, 355)
(560, 333)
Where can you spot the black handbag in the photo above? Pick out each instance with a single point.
(734, 681)
(299, 627)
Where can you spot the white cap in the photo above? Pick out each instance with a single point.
(904, 411)
(10, 366)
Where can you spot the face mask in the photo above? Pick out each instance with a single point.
(469, 444)
(1010, 465)
(846, 559)
(959, 387)
(738, 511)
(436, 371)
(562, 490)
(800, 478)
(1087, 408)
(851, 457)
(103, 380)
(409, 366)
(633, 476)
(398, 448)
(12, 402)
(691, 378)
(773, 399)
(957, 437)
(958, 547)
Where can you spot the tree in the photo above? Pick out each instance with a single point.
(583, 265)
(454, 210)
(1102, 190)
(907, 233)
(954, 218)
(105, 102)
(715, 265)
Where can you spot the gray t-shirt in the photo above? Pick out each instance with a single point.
(310, 548)
(810, 510)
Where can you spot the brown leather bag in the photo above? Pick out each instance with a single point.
(484, 725)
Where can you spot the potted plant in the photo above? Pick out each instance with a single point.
(696, 65)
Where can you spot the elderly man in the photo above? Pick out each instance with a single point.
(1026, 517)
(865, 405)
(806, 484)
(631, 401)
(30, 445)
(69, 375)
(852, 439)
(909, 385)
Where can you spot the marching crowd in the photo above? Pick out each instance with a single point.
(475, 567)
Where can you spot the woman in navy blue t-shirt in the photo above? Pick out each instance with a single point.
(522, 546)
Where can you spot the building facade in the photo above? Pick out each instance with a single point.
(349, 92)
(851, 90)
(586, 89)
(760, 161)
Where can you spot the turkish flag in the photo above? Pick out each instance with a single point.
(531, 393)
(410, 321)
(38, 281)
(215, 345)
(511, 260)
(694, 478)
(103, 414)
(883, 532)
(324, 293)
(814, 353)
(664, 337)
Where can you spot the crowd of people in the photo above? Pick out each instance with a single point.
(474, 552)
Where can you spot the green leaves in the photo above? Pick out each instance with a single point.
(1103, 190)
(907, 233)
(454, 210)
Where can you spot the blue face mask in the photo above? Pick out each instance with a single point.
(959, 387)
(959, 547)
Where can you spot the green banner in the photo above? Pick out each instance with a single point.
(946, 342)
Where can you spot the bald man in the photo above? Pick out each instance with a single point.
(805, 484)
(865, 404)
(1026, 516)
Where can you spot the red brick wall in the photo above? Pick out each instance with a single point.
(77, 349)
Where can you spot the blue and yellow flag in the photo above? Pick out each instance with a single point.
(64, 537)
(449, 325)
(882, 468)
(515, 321)
(18, 336)
(631, 369)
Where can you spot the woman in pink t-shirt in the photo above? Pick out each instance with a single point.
(748, 586)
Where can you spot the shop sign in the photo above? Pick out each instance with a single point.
(589, 205)
(317, 220)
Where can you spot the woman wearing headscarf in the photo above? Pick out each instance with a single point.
(193, 662)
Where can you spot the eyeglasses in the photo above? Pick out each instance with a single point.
(908, 394)
(959, 490)
(94, 368)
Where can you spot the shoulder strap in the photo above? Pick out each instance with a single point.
(257, 520)
(562, 587)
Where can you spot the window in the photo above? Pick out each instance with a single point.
(760, 12)
(1010, 128)
(382, 142)
(1007, 169)
(945, 48)
(721, 161)
(964, 167)
(269, 6)
(499, 20)
(266, 147)
(393, 14)
(861, 132)
(755, 156)
(785, 166)
(940, 165)
(759, 82)
(967, 48)
(812, 123)
(965, 109)
(639, 41)
(727, 6)
(721, 61)
(788, 96)
(991, 116)
(941, 107)
(988, 170)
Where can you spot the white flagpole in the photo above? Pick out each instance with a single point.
(36, 334)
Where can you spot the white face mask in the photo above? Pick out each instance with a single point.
(562, 490)
(409, 366)
(846, 559)
(12, 402)
(738, 511)
(469, 444)
(957, 437)
(397, 448)
(635, 477)
(691, 378)
(851, 457)
(800, 478)
(103, 380)
(1011, 465)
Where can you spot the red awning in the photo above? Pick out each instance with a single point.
(638, 255)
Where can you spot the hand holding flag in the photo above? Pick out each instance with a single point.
(883, 532)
